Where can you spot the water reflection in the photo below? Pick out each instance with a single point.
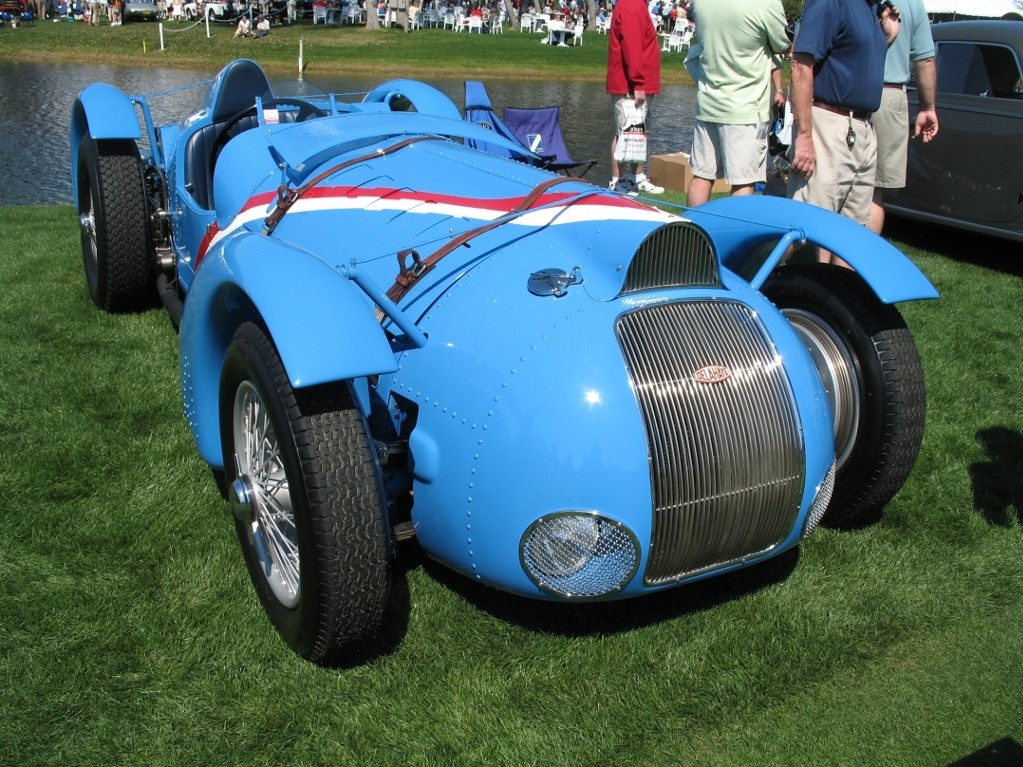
(36, 99)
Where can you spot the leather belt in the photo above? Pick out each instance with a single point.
(900, 86)
(853, 113)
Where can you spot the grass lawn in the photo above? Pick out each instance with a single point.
(129, 634)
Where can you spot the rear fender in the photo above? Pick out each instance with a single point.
(101, 111)
(426, 99)
(739, 224)
(322, 325)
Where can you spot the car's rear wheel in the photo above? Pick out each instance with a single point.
(871, 371)
(307, 494)
(116, 243)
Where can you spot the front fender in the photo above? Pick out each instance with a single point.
(101, 111)
(321, 324)
(737, 225)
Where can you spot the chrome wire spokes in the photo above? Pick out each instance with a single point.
(272, 522)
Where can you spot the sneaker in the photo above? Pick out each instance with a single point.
(647, 187)
(626, 186)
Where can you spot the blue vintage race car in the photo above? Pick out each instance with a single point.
(556, 390)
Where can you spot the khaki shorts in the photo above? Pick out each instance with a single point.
(736, 153)
(843, 180)
(891, 126)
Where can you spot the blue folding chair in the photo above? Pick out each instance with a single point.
(540, 130)
(479, 111)
(536, 130)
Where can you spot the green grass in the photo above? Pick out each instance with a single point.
(129, 634)
(425, 54)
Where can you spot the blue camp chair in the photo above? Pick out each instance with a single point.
(537, 130)
(540, 130)
(479, 111)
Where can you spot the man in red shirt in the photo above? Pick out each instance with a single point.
(634, 72)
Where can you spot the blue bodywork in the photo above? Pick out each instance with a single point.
(516, 406)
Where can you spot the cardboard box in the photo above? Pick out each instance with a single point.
(672, 171)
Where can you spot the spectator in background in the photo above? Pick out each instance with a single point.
(262, 26)
(634, 72)
(914, 46)
(741, 39)
(244, 28)
(837, 77)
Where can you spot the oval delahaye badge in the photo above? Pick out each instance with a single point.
(712, 374)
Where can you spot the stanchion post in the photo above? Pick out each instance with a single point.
(301, 50)
(161, 36)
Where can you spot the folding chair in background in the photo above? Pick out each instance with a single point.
(479, 111)
(536, 130)
(539, 129)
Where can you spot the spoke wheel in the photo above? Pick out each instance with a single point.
(871, 371)
(307, 496)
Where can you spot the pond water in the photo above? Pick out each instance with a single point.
(36, 99)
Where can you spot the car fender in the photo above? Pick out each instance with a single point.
(736, 225)
(321, 323)
(101, 111)
(426, 98)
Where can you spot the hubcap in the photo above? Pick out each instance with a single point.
(838, 373)
(243, 498)
(261, 495)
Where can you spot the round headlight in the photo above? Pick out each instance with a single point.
(579, 554)
(565, 545)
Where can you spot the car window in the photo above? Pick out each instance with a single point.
(976, 69)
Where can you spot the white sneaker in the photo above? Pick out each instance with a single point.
(648, 187)
(626, 186)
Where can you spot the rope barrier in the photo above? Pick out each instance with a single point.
(193, 25)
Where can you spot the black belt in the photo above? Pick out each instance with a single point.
(900, 86)
(853, 113)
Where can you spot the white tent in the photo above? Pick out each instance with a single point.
(986, 8)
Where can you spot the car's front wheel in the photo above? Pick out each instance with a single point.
(306, 490)
(112, 215)
(871, 371)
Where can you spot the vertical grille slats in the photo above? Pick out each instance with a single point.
(671, 256)
(726, 457)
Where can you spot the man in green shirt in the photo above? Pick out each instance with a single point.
(741, 40)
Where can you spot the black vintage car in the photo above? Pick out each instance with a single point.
(971, 175)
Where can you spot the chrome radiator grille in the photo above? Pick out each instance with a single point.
(725, 446)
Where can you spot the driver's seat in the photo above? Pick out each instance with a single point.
(236, 89)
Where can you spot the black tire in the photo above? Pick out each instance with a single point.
(319, 473)
(117, 248)
(871, 370)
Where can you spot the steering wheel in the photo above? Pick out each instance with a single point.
(306, 111)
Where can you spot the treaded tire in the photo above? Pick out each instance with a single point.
(867, 343)
(117, 249)
(320, 474)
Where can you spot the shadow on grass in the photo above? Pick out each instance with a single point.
(574, 619)
(967, 247)
(997, 483)
(1006, 752)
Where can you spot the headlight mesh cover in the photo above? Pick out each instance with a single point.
(579, 554)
